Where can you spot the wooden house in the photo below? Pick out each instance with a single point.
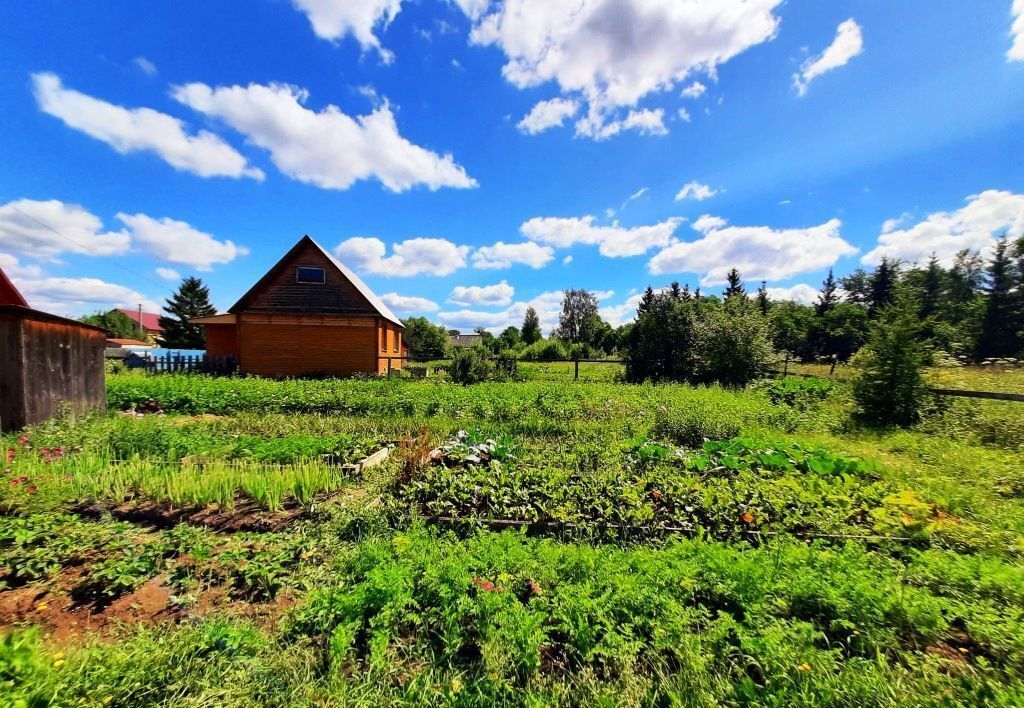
(308, 316)
(46, 362)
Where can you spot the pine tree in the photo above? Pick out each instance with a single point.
(883, 286)
(191, 300)
(998, 327)
(735, 285)
(530, 331)
(827, 297)
(686, 295)
(763, 303)
(646, 300)
(675, 291)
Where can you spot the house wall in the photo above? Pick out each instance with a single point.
(222, 340)
(282, 294)
(46, 364)
(389, 344)
(306, 345)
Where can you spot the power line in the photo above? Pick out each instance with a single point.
(86, 249)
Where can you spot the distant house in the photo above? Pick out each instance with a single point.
(46, 362)
(118, 343)
(309, 315)
(148, 321)
(460, 340)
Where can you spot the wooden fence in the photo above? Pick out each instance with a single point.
(195, 363)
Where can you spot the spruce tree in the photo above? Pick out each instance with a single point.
(646, 300)
(191, 300)
(675, 291)
(530, 331)
(932, 287)
(763, 303)
(734, 288)
(827, 297)
(883, 286)
(999, 327)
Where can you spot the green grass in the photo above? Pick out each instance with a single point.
(364, 605)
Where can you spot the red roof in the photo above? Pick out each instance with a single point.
(150, 322)
(9, 294)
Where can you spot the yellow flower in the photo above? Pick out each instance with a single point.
(456, 685)
(58, 663)
(40, 607)
(107, 699)
(59, 655)
(804, 667)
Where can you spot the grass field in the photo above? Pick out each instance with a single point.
(530, 543)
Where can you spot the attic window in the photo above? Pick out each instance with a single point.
(307, 274)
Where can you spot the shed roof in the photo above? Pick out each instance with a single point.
(9, 294)
(39, 316)
(375, 302)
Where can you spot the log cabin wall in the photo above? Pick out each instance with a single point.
(222, 340)
(306, 345)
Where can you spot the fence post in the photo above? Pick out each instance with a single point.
(576, 377)
(785, 366)
(832, 371)
(389, 367)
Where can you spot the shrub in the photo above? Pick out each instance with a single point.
(470, 366)
(889, 387)
(798, 393)
(545, 350)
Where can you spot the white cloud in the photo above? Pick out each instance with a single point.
(328, 148)
(145, 66)
(612, 54)
(975, 226)
(409, 303)
(707, 222)
(801, 293)
(14, 269)
(168, 273)
(696, 191)
(612, 241)
(617, 315)
(758, 252)
(497, 295)
(548, 305)
(567, 260)
(638, 193)
(178, 242)
(504, 255)
(46, 229)
(77, 296)
(644, 121)
(415, 256)
(548, 114)
(1016, 51)
(847, 44)
(141, 130)
(472, 8)
(694, 90)
(684, 115)
(334, 19)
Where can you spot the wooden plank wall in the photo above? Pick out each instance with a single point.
(337, 296)
(12, 397)
(222, 340)
(59, 363)
(278, 346)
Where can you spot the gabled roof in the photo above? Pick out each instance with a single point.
(9, 294)
(149, 321)
(375, 302)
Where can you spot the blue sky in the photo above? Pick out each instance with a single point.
(471, 157)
